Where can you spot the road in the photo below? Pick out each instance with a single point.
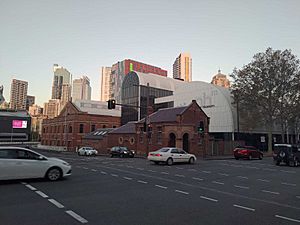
(113, 191)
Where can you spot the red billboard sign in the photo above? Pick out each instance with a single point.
(19, 124)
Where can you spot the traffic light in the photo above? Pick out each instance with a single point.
(111, 104)
(201, 127)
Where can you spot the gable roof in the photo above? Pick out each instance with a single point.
(167, 115)
(98, 134)
(128, 128)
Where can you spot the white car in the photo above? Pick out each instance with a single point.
(22, 163)
(171, 155)
(87, 151)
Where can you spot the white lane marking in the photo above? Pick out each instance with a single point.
(217, 182)
(286, 218)
(224, 174)
(103, 172)
(42, 194)
(287, 171)
(152, 171)
(85, 168)
(114, 175)
(242, 187)
(204, 171)
(197, 178)
(23, 183)
(267, 169)
(289, 184)
(164, 173)
(243, 207)
(128, 178)
(192, 170)
(30, 187)
(140, 168)
(56, 203)
(182, 192)
(271, 192)
(242, 177)
(180, 168)
(297, 196)
(76, 216)
(263, 180)
(94, 170)
(159, 186)
(209, 199)
(179, 175)
(142, 182)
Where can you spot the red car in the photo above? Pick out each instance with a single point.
(248, 152)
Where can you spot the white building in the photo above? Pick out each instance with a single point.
(182, 67)
(81, 89)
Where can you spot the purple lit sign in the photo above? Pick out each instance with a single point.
(19, 124)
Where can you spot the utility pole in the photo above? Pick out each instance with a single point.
(147, 120)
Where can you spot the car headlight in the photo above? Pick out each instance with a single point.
(125, 152)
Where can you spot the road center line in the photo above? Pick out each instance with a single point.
(204, 171)
(197, 178)
(243, 207)
(140, 168)
(217, 182)
(209, 199)
(128, 178)
(142, 182)
(182, 192)
(263, 180)
(152, 171)
(289, 184)
(42, 194)
(270, 192)
(179, 175)
(76, 216)
(114, 175)
(56, 203)
(94, 170)
(164, 173)
(159, 186)
(224, 174)
(31, 187)
(242, 187)
(242, 177)
(286, 218)
(103, 172)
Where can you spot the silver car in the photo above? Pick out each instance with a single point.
(87, 151)
(22, 163)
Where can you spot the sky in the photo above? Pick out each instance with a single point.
(84, 35)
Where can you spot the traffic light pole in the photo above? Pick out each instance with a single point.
(147, 120)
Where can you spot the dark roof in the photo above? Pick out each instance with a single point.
(128, 128)
(166, 115)
(98, 134)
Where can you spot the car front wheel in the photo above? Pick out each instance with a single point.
(54, 174)
(191, 160)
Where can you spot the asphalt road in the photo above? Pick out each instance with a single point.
(113, 191)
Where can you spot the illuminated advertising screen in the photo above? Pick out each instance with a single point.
(19, 124)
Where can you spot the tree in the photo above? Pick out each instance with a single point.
(268, 88)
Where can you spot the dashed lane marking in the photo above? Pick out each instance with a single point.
(76, 216)
(142, 182)
(159, 186)
(242, 187)
(287, 218)
(209, 199)
(297, 196)
(192, 170)
(289, 184)
(128, 178)
(267, 169)
(197, 178)
(263, 180)
(94, 170)
(204, 171)
(85, 168)
(140, 168)
(42, 194)
(56, 203)
(179, 175)
(30, 187)
(271, 192)
(224, 174)
(129, 166)
(217, 182)
(242, 177)
(182, 192)
(153, 171)
(103, 172)
(164, 173)
(114, 175)
(243, 207)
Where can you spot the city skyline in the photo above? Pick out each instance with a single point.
(217, 34)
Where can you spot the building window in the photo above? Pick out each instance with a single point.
(159, 135)
(93, 127)
(81, 128)
(132, 140)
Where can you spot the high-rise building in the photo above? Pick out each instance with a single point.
(2, 99)
(105, 83)
(220, 80)
(61, 77)
(120, 69)
(182, 67)
(18, 94)
(81, 89)
(52, 108)
(35, 110)
(30, 100)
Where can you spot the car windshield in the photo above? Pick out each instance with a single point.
(124, 148)
(277, 149)
(163, 150)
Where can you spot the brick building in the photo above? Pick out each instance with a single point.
(169, 127)
(76, 120)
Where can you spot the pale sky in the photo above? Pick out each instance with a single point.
(83, 35)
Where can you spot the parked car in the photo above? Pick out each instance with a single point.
(248, 152)
(87, 151)
(121, 152)
(171, 155)
(286, 153)
(22, 163)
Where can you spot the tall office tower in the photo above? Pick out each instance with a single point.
(65, 93)
(30, 100)
(81, 89)
(61, 77)
(2, 99)
(182, 67)
(120, 69)
(105, 83)
(220, 80)
(18, 94)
